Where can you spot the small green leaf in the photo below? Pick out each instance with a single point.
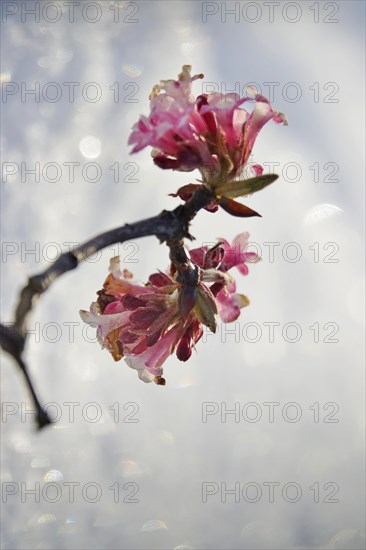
(205, 307)
(236, 208)
(234, 189)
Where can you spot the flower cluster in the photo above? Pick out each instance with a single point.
(145, 323)
(213, 133)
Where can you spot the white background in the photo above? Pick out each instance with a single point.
(314, 52)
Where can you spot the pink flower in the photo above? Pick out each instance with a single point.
(212, 133)
(236, 254)
(147, 323)
(223, 257)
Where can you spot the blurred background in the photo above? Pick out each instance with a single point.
(258, 441)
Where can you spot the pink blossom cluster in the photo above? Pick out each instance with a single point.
(145, 323)
(211, 133)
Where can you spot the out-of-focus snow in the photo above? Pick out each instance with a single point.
(132, 465)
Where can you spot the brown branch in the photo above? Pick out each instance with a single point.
(169, 226)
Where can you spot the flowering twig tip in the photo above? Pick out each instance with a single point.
(214, 134)
(146, 323)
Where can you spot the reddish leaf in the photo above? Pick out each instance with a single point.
(186, 191)
(236, 208)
